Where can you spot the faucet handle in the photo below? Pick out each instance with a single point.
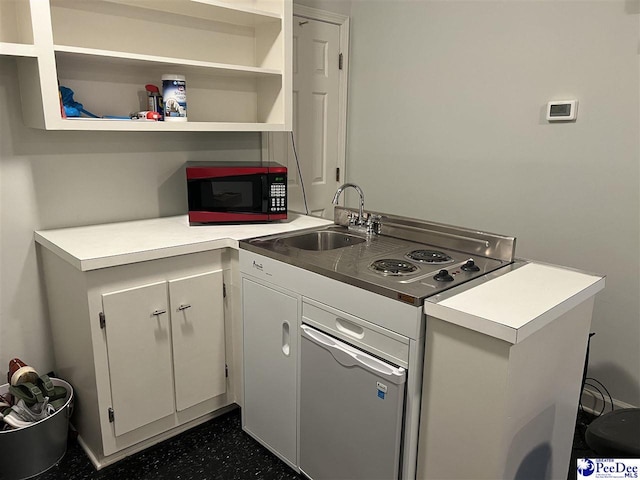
(373, 223)
(353, 218)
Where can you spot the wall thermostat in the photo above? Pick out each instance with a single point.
(562, 110)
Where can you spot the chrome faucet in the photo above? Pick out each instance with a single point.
(370, 225)
(341, 189)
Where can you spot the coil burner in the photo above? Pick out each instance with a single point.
(431, 257)
(392, 266)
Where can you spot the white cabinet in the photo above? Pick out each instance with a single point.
(144, 346)
(139, 352)
(155, 341)
(235, 55)
(270, 367)
(197, 332)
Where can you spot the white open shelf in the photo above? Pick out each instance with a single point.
(17, 49)
(235, 55)
(150, 126)
(89, 56)
(197, 32)
(234, 12)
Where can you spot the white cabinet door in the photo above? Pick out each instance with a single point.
(197, 325)
(270, 353)
(139, 351)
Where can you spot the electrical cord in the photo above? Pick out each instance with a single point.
(596, 389)
(591, 379)
(304, 194)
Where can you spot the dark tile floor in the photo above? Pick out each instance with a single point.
(215, 450)
(219, 450)
(580, 447)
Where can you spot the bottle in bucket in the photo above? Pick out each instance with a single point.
(174, 92)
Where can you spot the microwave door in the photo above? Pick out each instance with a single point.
(233, 197)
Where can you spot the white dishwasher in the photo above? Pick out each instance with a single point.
(351, 408)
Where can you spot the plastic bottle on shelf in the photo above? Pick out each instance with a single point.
(154, 100)
(174, 91)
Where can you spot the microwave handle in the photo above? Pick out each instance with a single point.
(265, 193)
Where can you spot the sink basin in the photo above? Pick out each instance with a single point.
(322, 240)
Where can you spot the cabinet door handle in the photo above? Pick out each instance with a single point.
(286, 346)
(184, 306)
(159, 312)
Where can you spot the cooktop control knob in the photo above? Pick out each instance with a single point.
(443, 276)
(470, 266)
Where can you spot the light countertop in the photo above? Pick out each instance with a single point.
(107, 245)
(510, 307)
(515, 305)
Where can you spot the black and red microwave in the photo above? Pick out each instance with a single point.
(236, 192)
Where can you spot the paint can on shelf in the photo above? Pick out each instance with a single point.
(174, 93)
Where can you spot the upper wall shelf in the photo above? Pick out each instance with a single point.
(234, 12)
(236, 57)
(90, 57)
(17, 49)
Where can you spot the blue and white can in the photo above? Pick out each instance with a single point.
(174, 93)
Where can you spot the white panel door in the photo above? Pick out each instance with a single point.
(316, 117)
(197, 325)
(139, 350)
(270, 355)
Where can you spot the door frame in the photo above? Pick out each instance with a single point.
(343, 22)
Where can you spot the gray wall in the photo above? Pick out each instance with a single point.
(446, 122)
(60, 179)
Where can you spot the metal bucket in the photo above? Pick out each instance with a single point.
(31, 450)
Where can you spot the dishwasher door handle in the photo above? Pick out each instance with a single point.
(349, 356)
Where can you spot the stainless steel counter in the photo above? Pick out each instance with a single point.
(351, 263)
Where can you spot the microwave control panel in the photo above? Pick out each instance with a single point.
(277, 193)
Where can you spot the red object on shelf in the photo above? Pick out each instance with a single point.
(62, 112)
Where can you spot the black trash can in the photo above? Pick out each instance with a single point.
(616, 434)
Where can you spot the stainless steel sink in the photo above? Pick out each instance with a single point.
(322, 240)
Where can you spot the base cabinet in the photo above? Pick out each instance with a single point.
(167, 340)
(144, 346)
(198, 338)
(270, 367)
(524, 400)
(139, 353)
